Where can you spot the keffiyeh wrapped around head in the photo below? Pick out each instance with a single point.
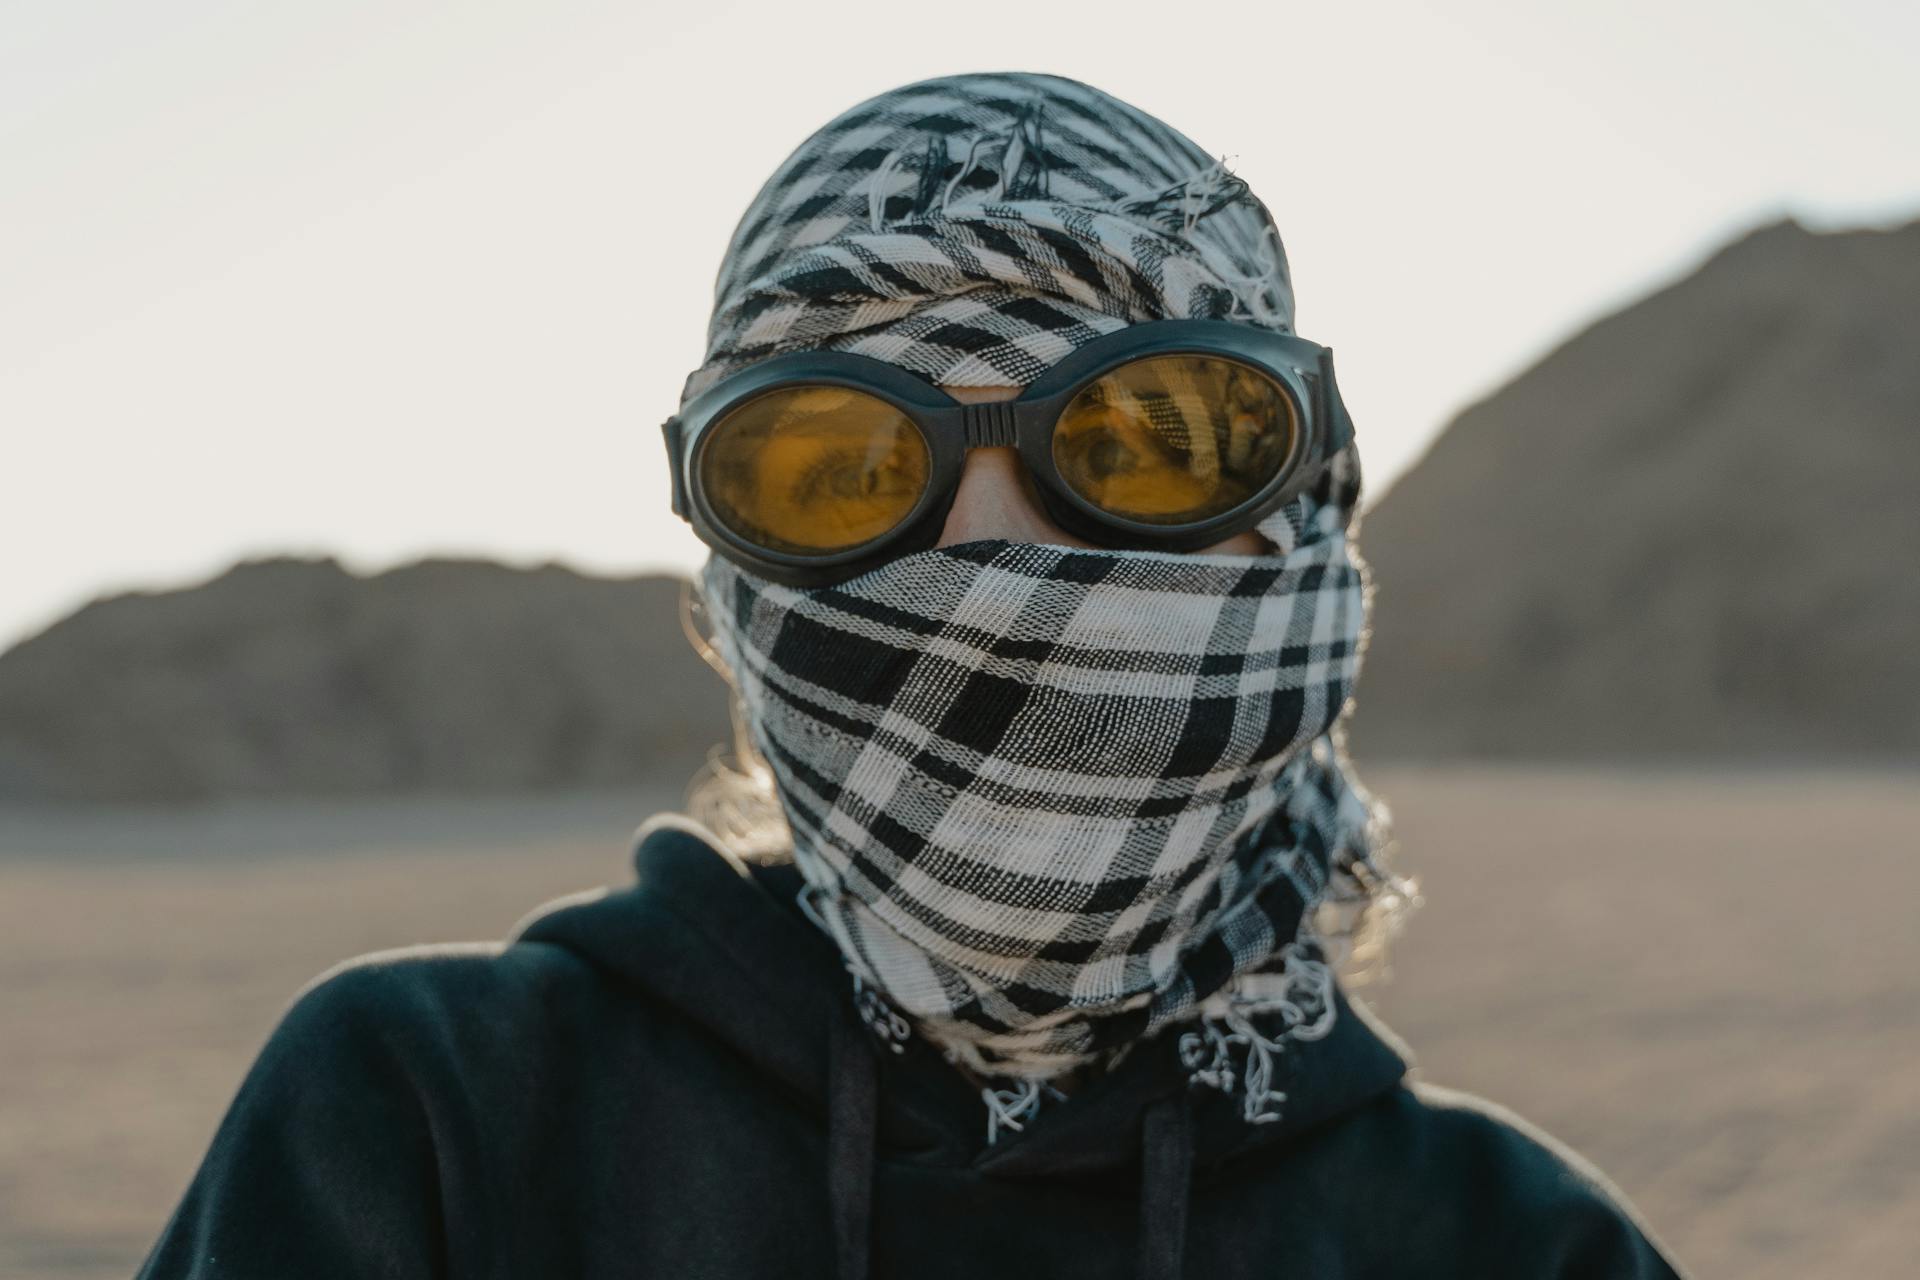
(1047, 801)
(975, 229)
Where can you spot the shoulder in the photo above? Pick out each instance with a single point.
(1462, 1129)
(333, 1157)
(1531, 1198)
(464, 1001)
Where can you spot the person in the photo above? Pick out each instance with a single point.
(1012, 942)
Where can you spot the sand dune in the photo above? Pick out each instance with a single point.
(1710, 984)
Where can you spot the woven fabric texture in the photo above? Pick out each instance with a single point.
(978, 228)
(1049, 799)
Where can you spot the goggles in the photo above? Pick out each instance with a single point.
(812, 467)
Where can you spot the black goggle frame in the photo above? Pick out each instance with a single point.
(1302, 369)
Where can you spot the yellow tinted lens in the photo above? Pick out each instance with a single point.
(813, 470)
(1174, 439)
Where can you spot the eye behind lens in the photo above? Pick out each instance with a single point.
(1175, 440)
(813, 470)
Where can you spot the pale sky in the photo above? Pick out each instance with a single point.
(384, 279)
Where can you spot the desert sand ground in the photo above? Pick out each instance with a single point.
(1708, 983)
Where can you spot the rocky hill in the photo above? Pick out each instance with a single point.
(1692, 530)
(1689, 532)
(295, 676)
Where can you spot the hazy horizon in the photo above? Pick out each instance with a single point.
(376, 283)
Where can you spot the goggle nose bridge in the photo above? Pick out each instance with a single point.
(988, 424)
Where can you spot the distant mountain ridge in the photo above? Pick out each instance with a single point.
(1691, 531)
(296, 676)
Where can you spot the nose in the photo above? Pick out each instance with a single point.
(996, 497)
(995, 500)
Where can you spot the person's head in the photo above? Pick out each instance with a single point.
(1006, 702)
(974, 231)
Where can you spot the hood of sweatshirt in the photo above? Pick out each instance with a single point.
(725, 944)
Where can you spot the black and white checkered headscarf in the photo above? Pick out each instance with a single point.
(975, 229)
(1047, 800)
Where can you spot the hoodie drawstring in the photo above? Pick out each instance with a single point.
(852, 1131)
(1166, 1163)
(1166, 1181)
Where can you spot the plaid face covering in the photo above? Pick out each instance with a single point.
(1046, 800)
(1049, 799)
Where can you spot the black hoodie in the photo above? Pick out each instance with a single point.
(670, 1080)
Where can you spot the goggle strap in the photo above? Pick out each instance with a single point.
(671, 430)
(1332, 406)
